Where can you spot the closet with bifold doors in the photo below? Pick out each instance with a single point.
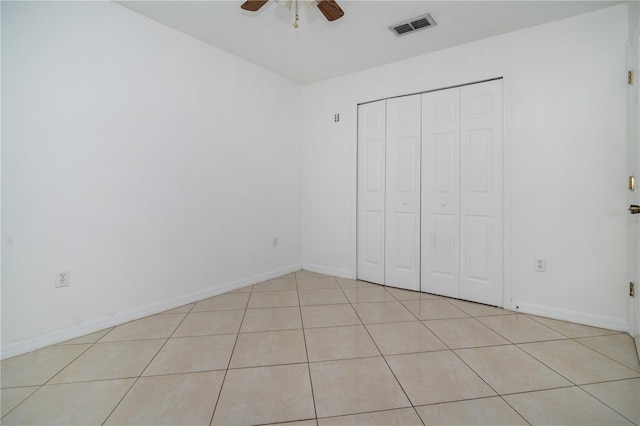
(430, 192)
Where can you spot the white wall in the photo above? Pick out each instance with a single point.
(154, 167)
(565, 101)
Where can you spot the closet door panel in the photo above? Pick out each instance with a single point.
(371, 192)
(440, 192)
(481, 193)
(402, 234)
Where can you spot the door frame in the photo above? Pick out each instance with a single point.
(506, 206)
(633, 126)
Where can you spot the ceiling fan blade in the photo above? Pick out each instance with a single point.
(253, 5)
(330, 9)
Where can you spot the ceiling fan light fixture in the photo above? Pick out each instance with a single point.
(285, 3)
(329, 8)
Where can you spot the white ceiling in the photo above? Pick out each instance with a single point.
(320, 50)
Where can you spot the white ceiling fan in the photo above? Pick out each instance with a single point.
(329, 8)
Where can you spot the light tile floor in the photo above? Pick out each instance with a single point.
(308, 349)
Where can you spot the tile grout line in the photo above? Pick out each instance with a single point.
(306, 351)
(308, 362)
(136, 379)
(226, 370)
(52, 376)
(468, 366)
(598, 399)
(384, 358)
(514, 409)
(575, 339)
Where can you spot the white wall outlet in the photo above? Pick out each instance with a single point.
(274, 242)
(63, 279)
(541, 264)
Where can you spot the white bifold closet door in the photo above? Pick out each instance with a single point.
(388, 218)
(462, 193)
(371, 191)
(402, 233)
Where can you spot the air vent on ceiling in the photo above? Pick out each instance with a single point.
(418, 23)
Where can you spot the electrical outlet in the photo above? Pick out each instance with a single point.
(274, 242)
(541, 264)
(63, 279)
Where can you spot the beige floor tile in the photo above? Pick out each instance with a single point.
(315, 283)
(428, 309)
(307, 274)
(404, 337)
(259, 395)
(270, 380)
(87, 338)
(192, 354)
(379, 312)
(153, 327)
(619, 347)
(578, 363)
(478, 309)
(325, 296)
(502, 366)
(346, 283)
(113, 360)
(269, 348)
(277, 284)
(300, 423)
(399, 417)
(208, 323)
(571, 329)
(12, 397)
(330, 343)
(37, 367)
(458, 333)
(178, 399)
(401, 294)
(432, 377)
(70, 404)
(289, 275)
(223, 302)
(355, 386)
(273, 299)
(329, 316)
(520, 329)
(621, 395)
(368, 294)
(184, 309)
(484, 411)
(245, 289)
(271, 319)
(567, 406)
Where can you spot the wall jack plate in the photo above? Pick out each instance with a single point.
(63, 279)
(541, 264)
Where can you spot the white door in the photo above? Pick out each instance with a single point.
(441, 192)
(462, 196)
(402, 236)
(371, 192)
(481, 192)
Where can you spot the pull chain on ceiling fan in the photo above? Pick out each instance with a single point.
(329, 8)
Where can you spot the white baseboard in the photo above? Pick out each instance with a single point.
(600, 321)
(59, 336)
(342, 273)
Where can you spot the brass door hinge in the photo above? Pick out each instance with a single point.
(630, 77)
(632, 183)
(632, 289)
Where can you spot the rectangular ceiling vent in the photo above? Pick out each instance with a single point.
(418, 23)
